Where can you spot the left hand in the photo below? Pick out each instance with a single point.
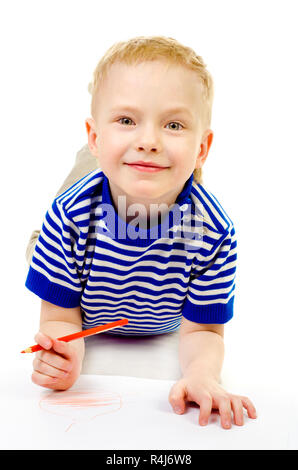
(208, 394)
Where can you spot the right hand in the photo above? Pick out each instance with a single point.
(57, 366)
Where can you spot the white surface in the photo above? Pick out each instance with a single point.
(152, 357)
(127, 413)
(146, 419)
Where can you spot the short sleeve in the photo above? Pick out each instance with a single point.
(210, 296)
(53, 275)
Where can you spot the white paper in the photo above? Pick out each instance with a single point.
(115, 412)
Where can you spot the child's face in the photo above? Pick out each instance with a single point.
(149, 131)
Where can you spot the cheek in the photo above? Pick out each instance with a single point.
(114, 143)
(179, 144)
(179, 153)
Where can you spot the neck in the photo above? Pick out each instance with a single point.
(148, 214)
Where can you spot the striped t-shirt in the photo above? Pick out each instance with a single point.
(182, 265)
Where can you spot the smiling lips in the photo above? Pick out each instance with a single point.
(149, 167)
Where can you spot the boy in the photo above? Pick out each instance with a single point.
(150, 134)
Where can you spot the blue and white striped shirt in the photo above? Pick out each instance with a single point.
(88, 256)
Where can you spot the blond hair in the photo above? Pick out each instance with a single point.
(151, 48)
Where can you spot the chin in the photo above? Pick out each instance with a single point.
(144, 191)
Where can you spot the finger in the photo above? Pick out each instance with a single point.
(205, 409)
(237, 408)
(177, 397)
(224, 407)
(251, 411)
(43, 340)
(54, 360)
(46, 369)
(43, 380)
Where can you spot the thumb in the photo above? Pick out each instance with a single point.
(43, 340)
(177, 396)
(62, 347)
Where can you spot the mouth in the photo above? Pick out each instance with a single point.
(145, 167)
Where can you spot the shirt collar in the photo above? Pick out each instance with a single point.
(121, 230)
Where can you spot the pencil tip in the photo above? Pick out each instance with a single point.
(28, 350)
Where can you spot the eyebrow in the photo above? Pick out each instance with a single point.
(176, 110)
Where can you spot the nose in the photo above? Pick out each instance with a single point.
(148, 141)
(147, 148)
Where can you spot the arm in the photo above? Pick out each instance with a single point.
(60, 363)
(201, 348)
(201, 354)
(58, 321)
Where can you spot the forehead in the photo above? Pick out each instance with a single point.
(158, 80)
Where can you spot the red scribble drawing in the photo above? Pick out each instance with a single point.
(81, 404)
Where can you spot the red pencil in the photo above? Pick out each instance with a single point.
(81, 334)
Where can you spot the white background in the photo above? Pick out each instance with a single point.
(49, 50)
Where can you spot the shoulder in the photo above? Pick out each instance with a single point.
(79, 199)
(211, 212)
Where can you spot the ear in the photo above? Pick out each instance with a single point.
(204, 148)
(92, 136)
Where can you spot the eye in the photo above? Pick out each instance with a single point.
(125, 118)
(177, 123)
